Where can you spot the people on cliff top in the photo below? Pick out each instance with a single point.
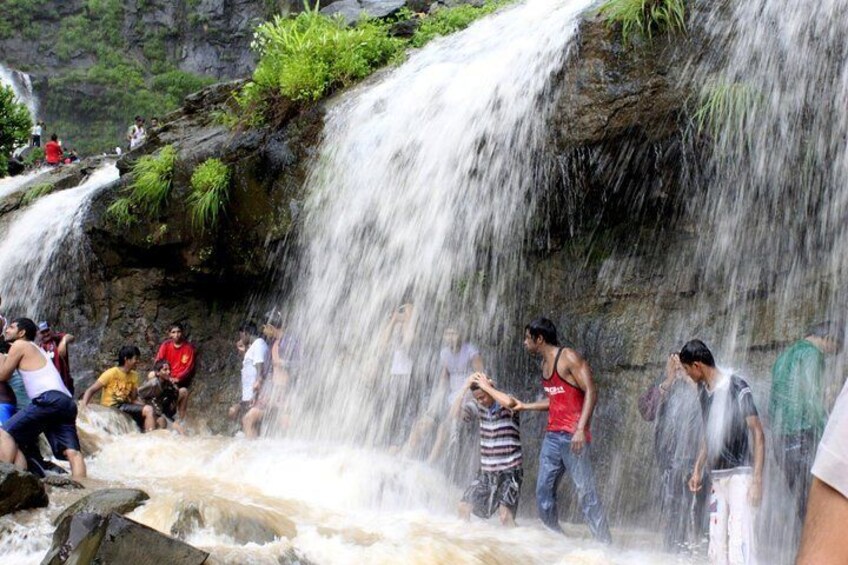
(181, 356)
(254, 352)
(797, 406)
(161, 394)
(52, 410)
(119, 386)
(672, 404)
(137, 134)
(497, 485)
(56, 344)
(154, 122)
(735, 466)
(570, 400)
(53, 151)
(35, 137)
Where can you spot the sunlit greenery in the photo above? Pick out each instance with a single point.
(450, 20)
(152, 180)
(121, 212)
(645, 18)
(210, 183)
(15, 125)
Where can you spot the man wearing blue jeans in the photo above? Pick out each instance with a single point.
(570, 399)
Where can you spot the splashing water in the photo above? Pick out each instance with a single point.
(11, 185)
(35, 238)
(421, 193)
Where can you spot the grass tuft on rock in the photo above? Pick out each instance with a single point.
(724, 106)
(446, 21)
(152, 176)
(36, 192)
(121, 212)
(210, 183)
(644, 18)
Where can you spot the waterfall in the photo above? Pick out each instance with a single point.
(22, 87)
(43, 241)
(420, 193)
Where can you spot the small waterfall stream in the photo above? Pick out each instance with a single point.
(21, 84)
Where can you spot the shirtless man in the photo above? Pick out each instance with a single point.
(52, 412)
(570, 400)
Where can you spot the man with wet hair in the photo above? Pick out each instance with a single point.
(570, 398)
(52, 410)
(255, 352)
(162, 395)
(120, 389)
(736, 468)
(56, 345)
(797, 406)
(498, 482)
(181, 356)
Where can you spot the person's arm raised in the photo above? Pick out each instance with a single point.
(487, 386)
(67, 339)
(571, 362)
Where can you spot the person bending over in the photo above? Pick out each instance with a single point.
(52, 410)
(498, 482)
(120, 389)
(161, 394)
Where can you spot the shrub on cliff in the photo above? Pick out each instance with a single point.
(210, 183)
(15, 125)
(152, 179)
(644, 18)
(446, 21)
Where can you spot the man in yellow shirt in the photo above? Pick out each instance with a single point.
(119, 387)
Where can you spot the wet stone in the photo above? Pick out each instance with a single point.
(60, 481)
(19, 490)
(106, 501)
(188, 520)
(91, 538)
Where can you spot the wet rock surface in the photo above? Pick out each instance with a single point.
(19, 490)
(105, 501)
(93, 538)
(62, 482)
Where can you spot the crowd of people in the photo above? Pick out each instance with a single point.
(709, 437)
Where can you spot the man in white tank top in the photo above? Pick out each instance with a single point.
(52, 412)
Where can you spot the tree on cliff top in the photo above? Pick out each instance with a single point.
(15, 125)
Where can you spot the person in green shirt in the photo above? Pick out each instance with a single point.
(797, 405)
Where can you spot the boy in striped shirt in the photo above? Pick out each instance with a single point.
(498, 482)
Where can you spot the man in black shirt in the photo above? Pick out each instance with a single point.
(727, 405)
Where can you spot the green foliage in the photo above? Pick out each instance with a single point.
(210, 184)
(36, 192)
(724, 105)
(121, 212)
(16, 17)
(152, 176)
(450, 20)
(15, 125)
(645, 18)
(35, 155)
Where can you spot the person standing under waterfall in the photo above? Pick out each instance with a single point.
(181, 356)
(672, 404)
(570, 400)
(735, 467)
(797, 406)
(55, 344)
(497, 484)
(255, 352)
(397, 340)
(52, 411)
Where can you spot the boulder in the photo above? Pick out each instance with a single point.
(91, 538)
(105, 502)
(19, 490)
(352, 10)
(61, 481)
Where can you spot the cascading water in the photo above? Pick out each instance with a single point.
(10, 185)
(421, 193)
(40, 241)
(22, 87)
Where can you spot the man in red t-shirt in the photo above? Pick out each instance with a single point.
(55, 344)
(180, 355)
(53, 151)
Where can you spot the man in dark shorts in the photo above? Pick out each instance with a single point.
(162, 395)
(120, 389)
(52, 411)
(498, 482)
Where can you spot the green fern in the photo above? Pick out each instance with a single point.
(724, 105)
(36, 192)
(153, 175)
(121, 212)
(644, 18)
(210, 183)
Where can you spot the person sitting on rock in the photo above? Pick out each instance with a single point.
(136, 134)
(162, 395)
(180, 355)
(255, 351)
(52, 410)
(53, 151)
(120, 389)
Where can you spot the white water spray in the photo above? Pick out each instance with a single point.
(21, 84)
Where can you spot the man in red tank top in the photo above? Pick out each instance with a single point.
(570, 399)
